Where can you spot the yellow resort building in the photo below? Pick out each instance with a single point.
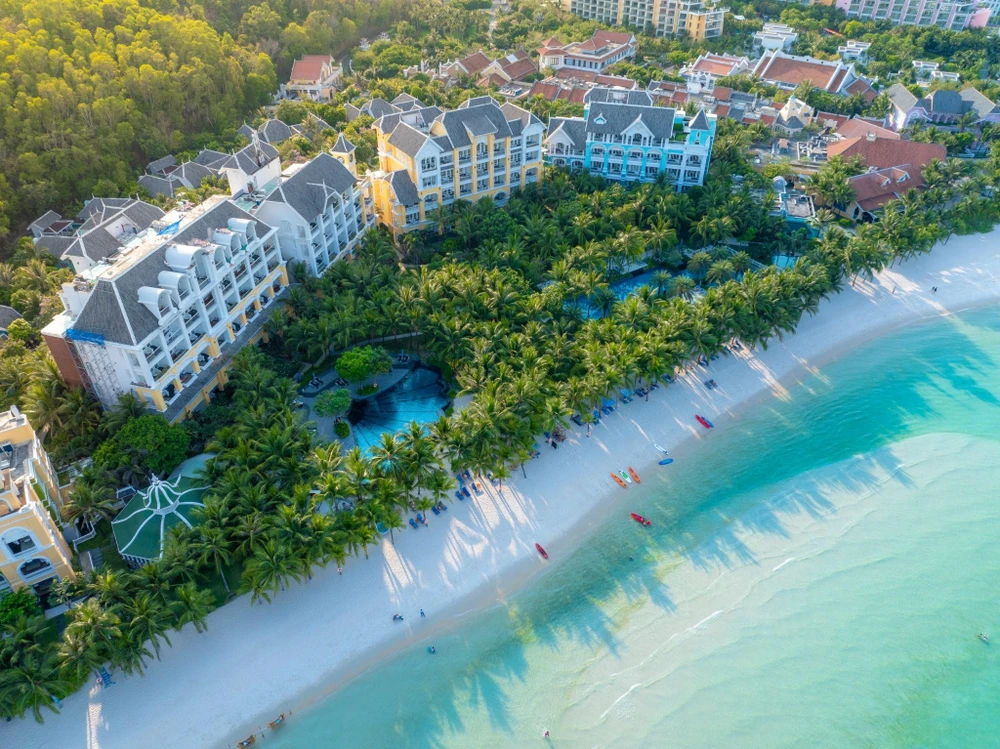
(33, 551)
(691, 18)
(429, 157)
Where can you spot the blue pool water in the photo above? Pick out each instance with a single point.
(814, 577)
(417, 397)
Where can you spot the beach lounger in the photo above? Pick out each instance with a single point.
(413, 523)
(459, 495)
(435, 510)
(466, 492)
(443, 507)
(477, 487)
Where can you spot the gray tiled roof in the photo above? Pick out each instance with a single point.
(475, 119)
(378, 108)
(45, 220)
(574, 127)
(7, 316)
(516, 114)
(305, 192)
(247, 159)
(982, 105)
(407, 139)
(113, 309)
(700, 121)
(160, 164)
(211, 159)
(93, 239)
(343, 145)
(274, 131)
(54, 244)
(192, 173)
(600, 94)
(403, 188)
(157, 185)
(613, 119)
(902, 98)
(246, 131)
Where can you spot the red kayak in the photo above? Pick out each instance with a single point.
(703, 421)
(541, 551)
(641, 520)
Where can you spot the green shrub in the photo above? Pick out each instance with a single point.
(333, 402)
(369, 389)
(22, 602)
(341, 429)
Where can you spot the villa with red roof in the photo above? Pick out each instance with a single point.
(708, 68)
(601, 51)
(788, 71)
(313, 77)
(874, 189)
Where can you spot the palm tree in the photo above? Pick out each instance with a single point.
(147, 620)
(212, 548)
(268, 571)
(192, 605)
(91, 502)
(33, 685)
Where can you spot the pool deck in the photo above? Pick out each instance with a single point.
(324, 424)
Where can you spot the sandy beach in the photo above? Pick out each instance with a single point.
(255, 662)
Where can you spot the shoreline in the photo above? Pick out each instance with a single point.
(254, 662)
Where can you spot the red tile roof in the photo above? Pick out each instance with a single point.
(831, 119)
(519, 69)
(492, 80)
(862, 87)
(859, 128)
(768, 119)
(722, 93)
(875, 189)
(309, 67)
(718, 65)
(615, 80)
(792, 72)
(614, 37)
(580, 75)
(882, 153)
(721, 110)
(474, 63)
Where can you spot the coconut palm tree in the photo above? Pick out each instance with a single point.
(33, 685)
(213, 548)
(192, 605)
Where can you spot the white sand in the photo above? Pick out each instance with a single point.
(254, 662)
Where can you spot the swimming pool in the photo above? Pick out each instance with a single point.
(419, 397)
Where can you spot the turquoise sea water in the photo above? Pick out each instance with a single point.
(814, 578)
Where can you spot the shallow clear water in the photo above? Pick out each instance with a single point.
(816, 577)
(418, 397)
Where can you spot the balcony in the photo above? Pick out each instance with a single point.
(178, 351)
(272, 264)
(171, 335)
(36, 569)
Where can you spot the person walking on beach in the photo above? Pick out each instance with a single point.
(421, 613)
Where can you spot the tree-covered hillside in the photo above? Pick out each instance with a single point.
(89, 89)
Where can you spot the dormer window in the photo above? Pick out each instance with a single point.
(599, 120)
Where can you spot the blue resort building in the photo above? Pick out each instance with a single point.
(623, 137)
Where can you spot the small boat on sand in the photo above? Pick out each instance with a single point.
(248, 741)
(625, 476)
(634, 475)
(984, 638)
(641, 520)
(666, 461)
(618, 480)
(542, 551)
(703, 421)
(660, 448)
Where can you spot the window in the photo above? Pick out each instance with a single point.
(20, 544)
(286, 227)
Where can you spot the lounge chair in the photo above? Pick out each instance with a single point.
(435, 510)
(413, 523)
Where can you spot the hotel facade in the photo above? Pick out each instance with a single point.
(691, 18)
(33, 552)
(622, 136)
(429, 157)
(162, 316)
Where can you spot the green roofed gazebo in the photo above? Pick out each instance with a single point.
(141, 527)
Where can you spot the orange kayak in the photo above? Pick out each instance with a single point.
(618, 480)
(634, 475)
